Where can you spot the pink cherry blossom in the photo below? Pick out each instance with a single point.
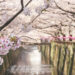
(5, 45)
(52, 38)
(42, 39)
(60, 38)
(70, 37)
(73, 38)
(16, 44)
(47, 39)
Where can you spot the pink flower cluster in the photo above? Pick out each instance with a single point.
(47, 39)
(8, 43)
(65, 37)
(51, 38)
(5, 45)
(16, 43)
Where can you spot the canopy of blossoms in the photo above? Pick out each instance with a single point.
(7, 44)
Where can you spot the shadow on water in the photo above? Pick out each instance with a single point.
(30, 62)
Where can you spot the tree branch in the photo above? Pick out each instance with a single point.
(36, 17)
(22, 5)
(63, 9)
(11, 19)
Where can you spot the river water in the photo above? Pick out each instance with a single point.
(30, 62)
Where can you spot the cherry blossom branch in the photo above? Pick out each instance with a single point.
(63, 9)
(28, 37)
(11, 19)
(37, 16)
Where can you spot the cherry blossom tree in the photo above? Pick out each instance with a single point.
(8, 43)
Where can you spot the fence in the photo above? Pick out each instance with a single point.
(60, 55)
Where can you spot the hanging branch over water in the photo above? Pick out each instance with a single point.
(11, 19)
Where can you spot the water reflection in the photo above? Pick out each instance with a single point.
(30, 63)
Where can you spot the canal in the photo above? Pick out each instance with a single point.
(30, 62)
(51, 59)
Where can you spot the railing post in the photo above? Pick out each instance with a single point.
(50, 53)
(64, 59)
(59, 55)
(72, 61)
